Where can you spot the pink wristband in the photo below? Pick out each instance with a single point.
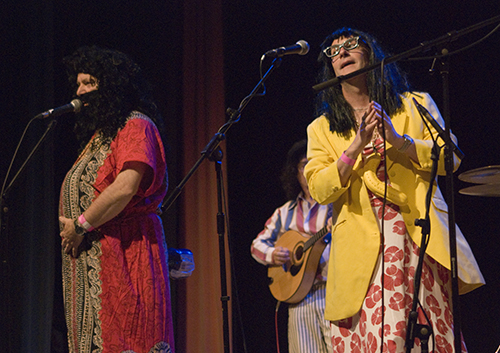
(347, 160)
(88, 227)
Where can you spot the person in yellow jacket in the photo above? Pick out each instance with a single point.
(375, 243)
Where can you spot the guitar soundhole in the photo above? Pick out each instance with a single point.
(299, 252)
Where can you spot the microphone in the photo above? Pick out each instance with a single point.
(301, 48)
(425, 113)
(74, 106)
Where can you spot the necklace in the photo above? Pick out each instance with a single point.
(359, 109)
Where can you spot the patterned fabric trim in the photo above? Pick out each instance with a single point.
(81, 275)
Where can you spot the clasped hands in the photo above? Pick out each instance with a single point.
(70, 241)
(373, 119)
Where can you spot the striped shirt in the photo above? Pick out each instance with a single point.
(296, 215)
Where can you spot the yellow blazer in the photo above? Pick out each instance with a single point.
(356, 235)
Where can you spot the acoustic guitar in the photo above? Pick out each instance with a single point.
(291, 281)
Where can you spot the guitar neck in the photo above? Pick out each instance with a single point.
(316, 237)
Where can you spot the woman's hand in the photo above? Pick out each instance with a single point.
(391, 135)
(384, 123)
(367, 126)
(363, 136)
(70, 240)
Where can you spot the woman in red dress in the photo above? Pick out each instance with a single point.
(115, 273)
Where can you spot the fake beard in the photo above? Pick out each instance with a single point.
(90, 116)
(93, 115)
(101, 112)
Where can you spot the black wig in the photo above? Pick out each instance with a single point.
(331, 103)
(122, 88)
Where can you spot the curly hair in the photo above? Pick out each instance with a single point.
(289, 180)
(331, 102)
(122, 88)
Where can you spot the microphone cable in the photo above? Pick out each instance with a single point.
(276, 326)
(384, 202)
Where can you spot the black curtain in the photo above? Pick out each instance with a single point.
(29, 223)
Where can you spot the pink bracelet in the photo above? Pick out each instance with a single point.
(347, 160)
(88, 227)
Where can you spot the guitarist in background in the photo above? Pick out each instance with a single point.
(308, 331)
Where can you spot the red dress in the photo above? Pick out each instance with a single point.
(116, 292)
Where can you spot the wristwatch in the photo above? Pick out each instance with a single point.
(78, 228)
(406, 144)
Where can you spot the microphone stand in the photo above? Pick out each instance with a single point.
(413, 329)
(214, 153)
(4, 210)
(448, 153)
(439, 42)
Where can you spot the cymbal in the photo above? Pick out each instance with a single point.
(484, 175)
(491, 190)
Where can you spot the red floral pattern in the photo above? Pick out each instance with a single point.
(390, 347)
(399, 228)
(394, 277)
(400, 329)
(362, 332)
(374, 295)
(338, 345)
(397, 301)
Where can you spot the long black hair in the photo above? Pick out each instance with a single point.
(331, 102)
(289, 180)
(122, 88)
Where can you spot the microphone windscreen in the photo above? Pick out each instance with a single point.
(77, 104)
(305, 47)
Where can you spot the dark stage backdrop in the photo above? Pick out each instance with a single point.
(36, 35)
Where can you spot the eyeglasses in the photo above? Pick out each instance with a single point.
(349, 44)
